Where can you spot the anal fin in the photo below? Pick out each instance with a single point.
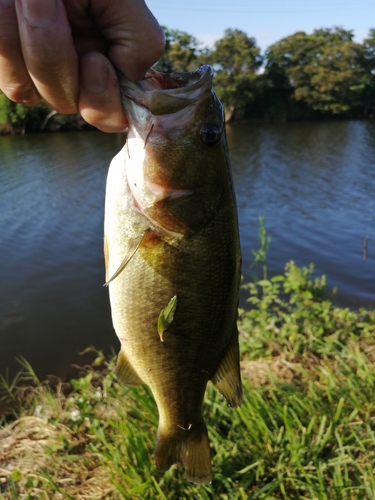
(125, 372)
(227, 377)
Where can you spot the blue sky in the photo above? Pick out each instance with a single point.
(267, 21)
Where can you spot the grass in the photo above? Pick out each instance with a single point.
(306, 428)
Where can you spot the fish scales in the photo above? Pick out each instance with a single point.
(171, 231)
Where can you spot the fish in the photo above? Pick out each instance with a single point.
(173, 259)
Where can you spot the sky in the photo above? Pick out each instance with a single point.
(267, 20)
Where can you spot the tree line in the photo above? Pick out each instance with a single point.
(303, 76)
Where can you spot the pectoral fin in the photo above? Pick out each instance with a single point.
(125, 372)
(106, 256)
(134, 244)
(227, 377)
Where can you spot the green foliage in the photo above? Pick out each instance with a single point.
(315, 75)
(369, 65)
(325, 69)
(181, 52)
(308, 433)
(260, 255)
(236, 59)
(17, 118)
(293, 315)
(11, 113)
(293, 312)
(324, 73)
(305, 430)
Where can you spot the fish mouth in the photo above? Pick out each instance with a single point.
(167, 93)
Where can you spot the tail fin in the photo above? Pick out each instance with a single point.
(189, 447)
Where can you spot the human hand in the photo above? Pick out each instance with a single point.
(65, 52)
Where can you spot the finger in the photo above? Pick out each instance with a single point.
(137, 40)
(48, 52)
(99, 99)
(15, 81)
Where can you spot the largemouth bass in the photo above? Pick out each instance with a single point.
(173, 258)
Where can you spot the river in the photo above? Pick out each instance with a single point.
(313, 182)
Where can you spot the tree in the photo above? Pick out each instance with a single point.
(181, 50)
(235, 59)
(18, 118)
(325, 69)
(12, 115)
(369, 64)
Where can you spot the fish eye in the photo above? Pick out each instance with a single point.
(211, 134)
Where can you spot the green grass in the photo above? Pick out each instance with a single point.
(305, 430)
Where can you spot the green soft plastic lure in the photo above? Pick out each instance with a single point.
(166, 317)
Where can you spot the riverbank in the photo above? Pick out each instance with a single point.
(46, 122)
(305, 430)
(66, 123)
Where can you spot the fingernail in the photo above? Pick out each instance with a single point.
(40, 13)
(94, 71)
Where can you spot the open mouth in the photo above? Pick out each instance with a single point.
(163, 93)
(154, 80)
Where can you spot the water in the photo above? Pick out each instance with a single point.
(314, 183)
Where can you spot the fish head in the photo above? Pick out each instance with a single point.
(176, 141)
